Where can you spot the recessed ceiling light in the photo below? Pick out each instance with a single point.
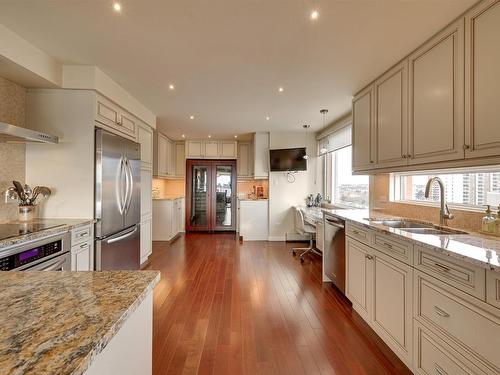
(183, 136)
(117, 7)
(314, 15)
(268, 118)
(209, 136)
(280, 89)
(171, 87)
(235, 136)
(191, 117)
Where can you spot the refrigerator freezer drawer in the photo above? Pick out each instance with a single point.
(120, 251)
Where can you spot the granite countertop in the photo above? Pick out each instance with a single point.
(253, 199)
(57, 322)
(60, 226)
(169, 197)
(481, 250)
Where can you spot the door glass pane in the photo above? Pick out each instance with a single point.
(224, 193)
(199, 196)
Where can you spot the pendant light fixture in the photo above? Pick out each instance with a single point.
(323, 112)
(306, 126)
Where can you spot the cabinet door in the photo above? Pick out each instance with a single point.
(194, 149)
(183, 215)
(162, 155)
(482, 84)
(170, 167)
(244, 160)
(180, 159)
(320, 236)
(358, 277)
(162, 220)
(146, 192)
(391, 95)
(392, 304)
(107, 113)
(363, 151)
(261, 155)
(145, 138)
(228, 149)
(211, 149)
(81, 257)
(127, 123)
(146, 237)
(436, 97)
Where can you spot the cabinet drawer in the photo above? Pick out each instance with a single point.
(81, 234)
(458, 319)
(106, 113)
(400, 250)
(464, 276)
(433, 356)
(493, 288)
(127, 124)
(358, 232)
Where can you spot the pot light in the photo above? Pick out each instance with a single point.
(314, 15)
(235, 136)
(209, 136)
(171, 87)
(183, 135)
(191, 117)
(117, 7)
(280, 89)
(268, 118)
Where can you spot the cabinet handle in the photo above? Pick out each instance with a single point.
(439, 370)
(403, 156)
(466, 147)
(387, 245)
(355, 232)
(369, 257)
(84, 245)
(441, 267)
(441, 312)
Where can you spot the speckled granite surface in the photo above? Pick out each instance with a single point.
(483, 251)
(60, 226)
(57, 322)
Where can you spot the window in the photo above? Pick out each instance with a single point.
(466, 189)
(341, 187)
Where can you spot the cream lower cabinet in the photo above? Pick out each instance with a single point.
(380, 289)
(82, 256)
(146, 213)
(168, 218)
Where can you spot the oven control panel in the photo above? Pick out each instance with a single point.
(14, 261)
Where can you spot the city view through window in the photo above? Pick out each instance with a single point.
(471, 189)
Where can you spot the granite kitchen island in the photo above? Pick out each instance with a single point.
(76, 322)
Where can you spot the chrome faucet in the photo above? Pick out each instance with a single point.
(444, 213)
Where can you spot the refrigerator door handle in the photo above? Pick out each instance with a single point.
(130, 184)
(120, 200)
(119, 238)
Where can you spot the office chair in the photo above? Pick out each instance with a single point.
(302, 228)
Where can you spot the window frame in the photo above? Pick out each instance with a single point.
(396, 182)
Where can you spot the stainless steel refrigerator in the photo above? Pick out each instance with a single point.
(117, 202)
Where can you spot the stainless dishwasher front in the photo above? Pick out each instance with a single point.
(334, 251)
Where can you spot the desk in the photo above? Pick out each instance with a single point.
(314, 217)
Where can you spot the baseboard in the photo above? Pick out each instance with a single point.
(276, 238)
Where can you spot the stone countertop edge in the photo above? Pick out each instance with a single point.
(65, 225)
(350, 216)
(108, 336)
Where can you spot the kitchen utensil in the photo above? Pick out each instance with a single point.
(20, 190)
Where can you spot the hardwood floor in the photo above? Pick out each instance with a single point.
(228, 308)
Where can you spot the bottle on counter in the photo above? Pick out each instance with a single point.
(488, 222)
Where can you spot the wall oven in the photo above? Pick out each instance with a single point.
(45, 254)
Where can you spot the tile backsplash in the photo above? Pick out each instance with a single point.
(12, 156)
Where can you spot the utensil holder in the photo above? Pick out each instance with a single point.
(27, 213)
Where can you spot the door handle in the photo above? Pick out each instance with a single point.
(130, 184)
(122, 236)
(334, 223)
(120, 200)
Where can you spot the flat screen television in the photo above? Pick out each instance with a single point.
(288, 159)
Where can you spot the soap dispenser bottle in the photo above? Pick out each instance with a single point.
(488, 223)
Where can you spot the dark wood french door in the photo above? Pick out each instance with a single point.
(210, 195)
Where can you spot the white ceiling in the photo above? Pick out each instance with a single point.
(227, 58)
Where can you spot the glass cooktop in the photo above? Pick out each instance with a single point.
(15, 230)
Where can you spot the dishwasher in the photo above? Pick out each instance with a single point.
(334, 251)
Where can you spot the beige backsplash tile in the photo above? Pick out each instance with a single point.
(12, 156)
(379, 202)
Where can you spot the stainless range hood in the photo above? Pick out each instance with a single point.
(15, 134)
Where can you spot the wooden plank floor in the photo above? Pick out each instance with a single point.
(228, 308)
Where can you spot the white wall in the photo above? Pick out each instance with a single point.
(284, 195)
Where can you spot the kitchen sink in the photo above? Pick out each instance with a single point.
(433, 230)
(400, 224)
(412, 226)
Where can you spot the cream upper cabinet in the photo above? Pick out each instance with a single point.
(115, 118)
(261, 155)
(228, 149)
(244, 163)
(391, 103)
(436, 96)
(180, 159)
(363, 156)
(211, 149)
(163, 156)
(482, 84)
(194, 149)
(145, 138)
